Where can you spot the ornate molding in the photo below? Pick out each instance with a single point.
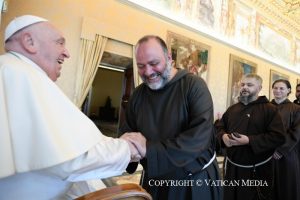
(285, 14)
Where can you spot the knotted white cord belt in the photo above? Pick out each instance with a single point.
(207, 164)
(210, 161)
(246, 166)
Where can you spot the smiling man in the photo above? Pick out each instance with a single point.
(173, 110)
(46, 142)
(154, 64)
(249, 154)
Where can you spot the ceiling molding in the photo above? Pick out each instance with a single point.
(284, 14)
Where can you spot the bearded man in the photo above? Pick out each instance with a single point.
(173, 110)
(250, 131)
(297, 94)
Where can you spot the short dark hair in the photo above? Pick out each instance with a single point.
(286, 82)
(162, 43)
(255, 76)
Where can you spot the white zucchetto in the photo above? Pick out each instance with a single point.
(19, 23)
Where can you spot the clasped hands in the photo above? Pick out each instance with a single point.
(235, 139)
(137, 145)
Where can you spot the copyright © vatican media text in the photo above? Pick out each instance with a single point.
(208, 182)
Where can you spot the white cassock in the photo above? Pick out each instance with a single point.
(46, 142)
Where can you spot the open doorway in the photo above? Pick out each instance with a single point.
(110, 92)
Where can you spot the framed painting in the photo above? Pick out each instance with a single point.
(189, 54)
(272, 41)
(237, 68)
(243, 24)
(187, 12)
(274, 75)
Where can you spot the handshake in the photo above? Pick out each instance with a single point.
(137, 145)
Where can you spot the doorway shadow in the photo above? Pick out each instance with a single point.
(107, 100)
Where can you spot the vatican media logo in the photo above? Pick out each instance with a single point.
(209, 182)
(233, 183)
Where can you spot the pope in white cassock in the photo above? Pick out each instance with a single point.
(46, 143)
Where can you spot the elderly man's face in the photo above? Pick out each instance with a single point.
(51, 49)
(154, 66)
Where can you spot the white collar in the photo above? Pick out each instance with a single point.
(27, 60)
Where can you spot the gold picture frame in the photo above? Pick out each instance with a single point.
(281, 44)
(237, 68)
(189, 54)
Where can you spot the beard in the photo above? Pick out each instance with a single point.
(248, 97)
(164, 78)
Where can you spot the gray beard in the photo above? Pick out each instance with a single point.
(247, 99)
(165, 76)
